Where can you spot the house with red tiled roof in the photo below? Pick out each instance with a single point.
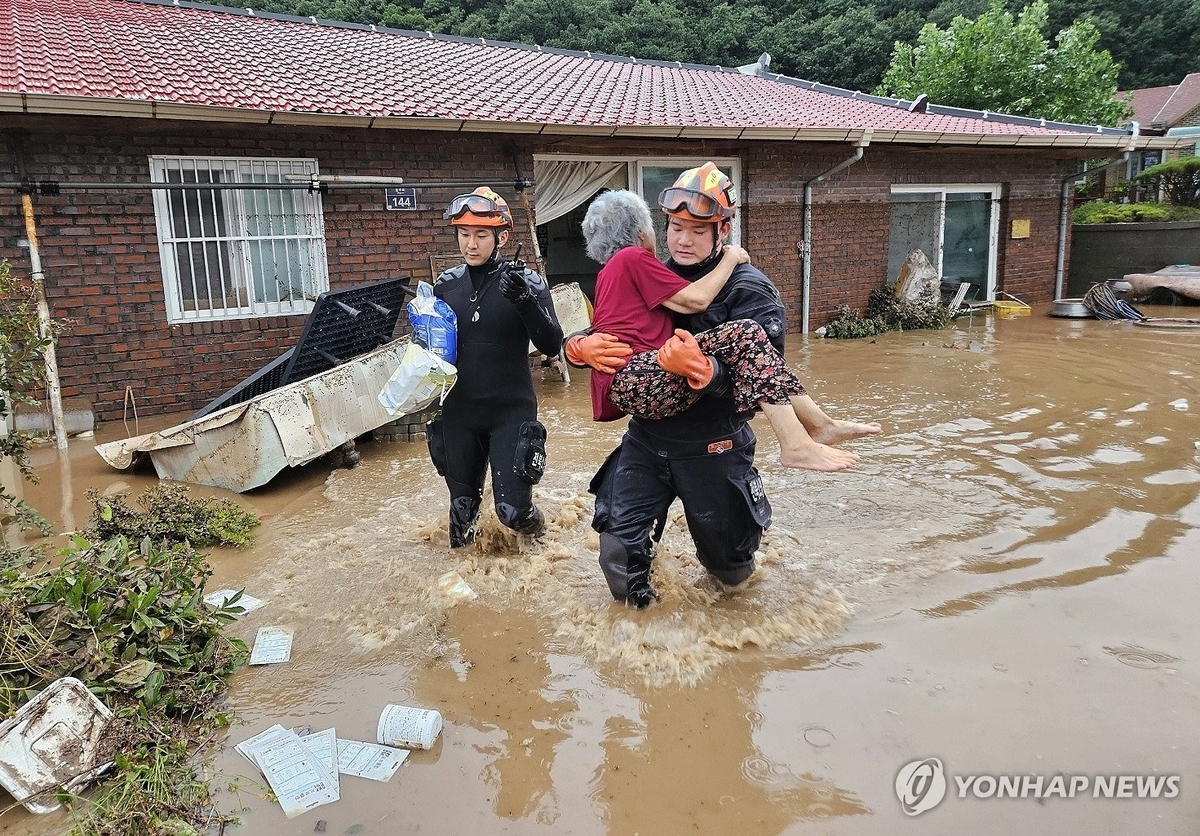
(1172, 111)
(1158, 109)
(198, 174)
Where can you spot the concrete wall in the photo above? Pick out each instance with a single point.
(1108, 251)
(101, 260)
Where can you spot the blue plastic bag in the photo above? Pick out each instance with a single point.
(434, 323)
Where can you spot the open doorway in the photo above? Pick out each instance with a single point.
(562, 244)
(566, 187)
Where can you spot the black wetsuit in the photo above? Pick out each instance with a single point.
(490, 415)
(704, 456)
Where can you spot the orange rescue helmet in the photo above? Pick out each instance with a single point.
(704, 194)
(482, 207)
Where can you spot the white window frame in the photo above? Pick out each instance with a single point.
(230, 293)
(943, 189)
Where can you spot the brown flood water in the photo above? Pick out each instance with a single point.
(1007, 582)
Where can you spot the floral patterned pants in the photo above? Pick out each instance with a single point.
(758, 373)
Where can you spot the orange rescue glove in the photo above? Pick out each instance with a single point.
(681, 355)
(603, 352)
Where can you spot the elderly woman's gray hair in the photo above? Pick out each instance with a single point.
(616, 220)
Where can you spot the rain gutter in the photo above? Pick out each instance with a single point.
(805, 245)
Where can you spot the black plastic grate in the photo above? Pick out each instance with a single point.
(342, 325)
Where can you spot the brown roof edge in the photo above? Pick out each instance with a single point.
(57, 105)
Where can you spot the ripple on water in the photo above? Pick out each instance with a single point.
(767, 773)
(819, 737)
(1139, 657)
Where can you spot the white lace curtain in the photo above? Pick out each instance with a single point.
(562, 185)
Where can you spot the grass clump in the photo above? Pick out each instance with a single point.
(169, 514)
(887, 313)
(127, 617)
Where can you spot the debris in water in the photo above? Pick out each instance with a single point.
(455, 588)
(52, 742)
(271, 646)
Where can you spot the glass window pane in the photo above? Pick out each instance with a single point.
(916, 224)
(967, 235)
(654, 180)
(234, 252)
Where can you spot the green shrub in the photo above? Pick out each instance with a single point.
(129, 620)
(848, 325)
(22, 370)
(171, 516)
(1104, 212)
(887, 313)
(1178, 179)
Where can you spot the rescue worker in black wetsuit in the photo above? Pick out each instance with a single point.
(490, 415)
(705, 455)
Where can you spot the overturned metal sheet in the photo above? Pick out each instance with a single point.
(571, 307)
(244, 446)
(53, 741)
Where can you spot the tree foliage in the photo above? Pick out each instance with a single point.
(1005, 63)
(838, 42)
(1178, 179)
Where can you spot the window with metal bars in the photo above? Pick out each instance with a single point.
(239, 249)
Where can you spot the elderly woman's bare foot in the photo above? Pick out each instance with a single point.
(819, 457)
(838, 431)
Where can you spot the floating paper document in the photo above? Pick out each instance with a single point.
(324, 744)
(369, 760)
(298, 777)
(221, 597)
(271, 646)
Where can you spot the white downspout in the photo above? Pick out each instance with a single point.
(805, 245)
(1068, 189)
(44, 329)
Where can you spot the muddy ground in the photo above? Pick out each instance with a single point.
(1007, 582)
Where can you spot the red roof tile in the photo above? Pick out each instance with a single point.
(1147, 102)
(1184, 99)
(200, 56)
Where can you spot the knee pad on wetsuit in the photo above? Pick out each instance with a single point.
(528, 521)
(529, 456)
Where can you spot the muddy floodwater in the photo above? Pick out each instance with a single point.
(1008, 582)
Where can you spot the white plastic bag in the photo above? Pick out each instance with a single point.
(422, 378)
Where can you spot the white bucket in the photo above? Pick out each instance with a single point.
(408, 728)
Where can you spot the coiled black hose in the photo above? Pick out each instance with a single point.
(1101, 301)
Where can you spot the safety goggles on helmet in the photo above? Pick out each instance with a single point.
(485, 210)
(697, 204)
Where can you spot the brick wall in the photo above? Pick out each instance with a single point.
(851, 217)
(100, 252)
